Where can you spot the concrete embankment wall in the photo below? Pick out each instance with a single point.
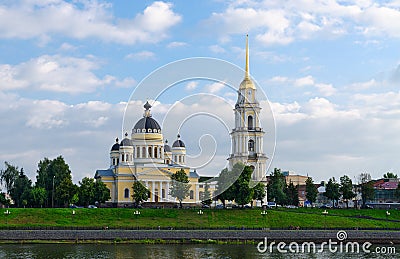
(375, 237)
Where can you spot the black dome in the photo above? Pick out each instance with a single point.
(178, 142)
(167, 148)
(115, 147)
(147, 123)
(126, 142)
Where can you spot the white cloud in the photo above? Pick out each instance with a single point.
(217, 49)
(279, 79)
(83, 19)
(304, 81)
(142, 55)
(176, 44)
(46, 114)
(307, 81)
(54, 73)
(326, 89)
(274, 23)
(362, 85)
(190, 86)
(126, 83)
(214, 87)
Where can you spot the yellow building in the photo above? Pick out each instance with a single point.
(145, 157)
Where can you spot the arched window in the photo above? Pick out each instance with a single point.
(126, 193)
(150, 152)
(143, 152)
(155, 152)
(127, 157)
(251, 145)
(250, 122)
(137, 152)
(123, 157)
(163, 193)
(191, 194)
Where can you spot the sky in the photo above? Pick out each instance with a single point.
(329, 71)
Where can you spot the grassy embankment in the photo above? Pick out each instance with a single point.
(125, 218)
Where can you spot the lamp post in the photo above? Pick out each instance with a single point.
(264, 215)
(200, 213)
(6, 213)
(387, 214)
(52, 193)
(137, 214)
(73, 215)
(325, 212)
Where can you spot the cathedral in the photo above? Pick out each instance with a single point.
(144, 155)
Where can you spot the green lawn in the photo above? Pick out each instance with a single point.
(276, 218)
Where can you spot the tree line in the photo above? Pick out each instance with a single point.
(53, 186)
(287, 194)
(232, 185)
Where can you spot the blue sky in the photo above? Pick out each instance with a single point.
(330, 69)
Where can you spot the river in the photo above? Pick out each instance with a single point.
(161, 251)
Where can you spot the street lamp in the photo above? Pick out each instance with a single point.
(6, 213)
(264, 215)
(52, 194)
(387, 214)
(200, 213)
(325, 213)
(136, 213)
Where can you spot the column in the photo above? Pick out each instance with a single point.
(167, 192)
(197, 196)
(152, 190)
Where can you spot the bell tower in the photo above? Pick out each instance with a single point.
(247, 136)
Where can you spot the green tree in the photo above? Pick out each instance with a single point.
(292, 194)
(180, 186)
(276, 187)
(390, 175)
(8, 176)
(3, 200)
(367, 188)
(259, 192)
(225, 190)
(332, 191)
(346, 189)
(65, 192)
(311, 190)
(39, 196)
(50, 174)
(86, 191)
(206, 199)
(102, 193)
(243, 194)
(140, 192)
(21, 190)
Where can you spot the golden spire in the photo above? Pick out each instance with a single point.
(247, 83)
(247, 57)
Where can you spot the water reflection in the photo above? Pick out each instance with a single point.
(33, 251)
